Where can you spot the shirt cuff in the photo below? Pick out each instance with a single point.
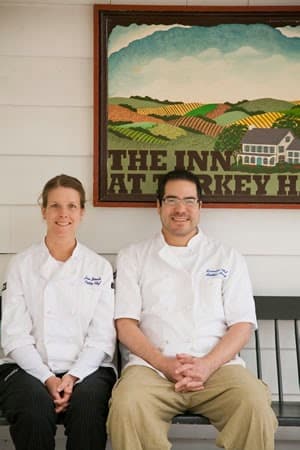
(29, 360)
(88, 362)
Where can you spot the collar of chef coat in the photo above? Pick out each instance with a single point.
(165, 250)
(68, 269)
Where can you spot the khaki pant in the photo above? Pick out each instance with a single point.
(237, 404)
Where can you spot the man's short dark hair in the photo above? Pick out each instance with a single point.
(178, 174)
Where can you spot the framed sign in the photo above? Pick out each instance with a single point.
(214, 90)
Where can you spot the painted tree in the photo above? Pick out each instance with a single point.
(230, 139)
(289, 121)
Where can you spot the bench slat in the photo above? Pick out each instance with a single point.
(190, 419)
(288, 413)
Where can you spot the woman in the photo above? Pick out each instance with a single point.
(58, 333)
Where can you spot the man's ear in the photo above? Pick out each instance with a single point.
(158, 206)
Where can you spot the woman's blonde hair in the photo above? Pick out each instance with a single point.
(62, 181)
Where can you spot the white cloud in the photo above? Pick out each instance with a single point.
(290, 31)
(122, 36)
(214, 77)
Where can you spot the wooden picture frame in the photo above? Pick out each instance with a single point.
(209, 89)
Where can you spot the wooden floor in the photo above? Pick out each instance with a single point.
(200, 445)
(182, 438)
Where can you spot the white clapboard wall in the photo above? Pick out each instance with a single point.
(46, 128)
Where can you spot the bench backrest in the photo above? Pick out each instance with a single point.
(276, 309)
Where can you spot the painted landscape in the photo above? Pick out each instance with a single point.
(137, 123)
(222, 101)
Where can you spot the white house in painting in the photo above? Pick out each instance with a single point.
(269, 146)
(293, 152)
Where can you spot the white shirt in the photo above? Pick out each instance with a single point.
(183, 303)
(58, 317)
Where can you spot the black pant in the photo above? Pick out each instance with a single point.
(30, 412)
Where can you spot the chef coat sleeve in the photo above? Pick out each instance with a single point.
(237, 293)
(128, 295)
(16, 326)
(29, 360)
(100, 341)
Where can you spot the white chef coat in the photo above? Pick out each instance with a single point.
(183, 308)
(58, 315)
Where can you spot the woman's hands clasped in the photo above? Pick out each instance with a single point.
(61, 390)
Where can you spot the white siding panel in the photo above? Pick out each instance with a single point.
(28, 174)
(217, 2)
(46, 130)
(274, 2)
(255, 231)
(27, 227)
(46, 30)
(91, 2)
(45, 81)
(158, 2)
(53, 2)
(5, 225)
(150, 2)
(274, 275)
(107, 230)
(4, 260)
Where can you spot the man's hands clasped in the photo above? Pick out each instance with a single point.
(189, 373)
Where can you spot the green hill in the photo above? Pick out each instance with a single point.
(202, 110)
(230, 117)
(266, 105)
(134, 102)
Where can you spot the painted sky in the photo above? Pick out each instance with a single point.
(204, 64)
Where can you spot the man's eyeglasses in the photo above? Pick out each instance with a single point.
(174, 201)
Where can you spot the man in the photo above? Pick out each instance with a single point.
(184, 310)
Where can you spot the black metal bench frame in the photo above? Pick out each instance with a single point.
(273, 308)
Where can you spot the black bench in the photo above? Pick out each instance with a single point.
(273, 309)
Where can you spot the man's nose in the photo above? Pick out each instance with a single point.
(180, 205)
